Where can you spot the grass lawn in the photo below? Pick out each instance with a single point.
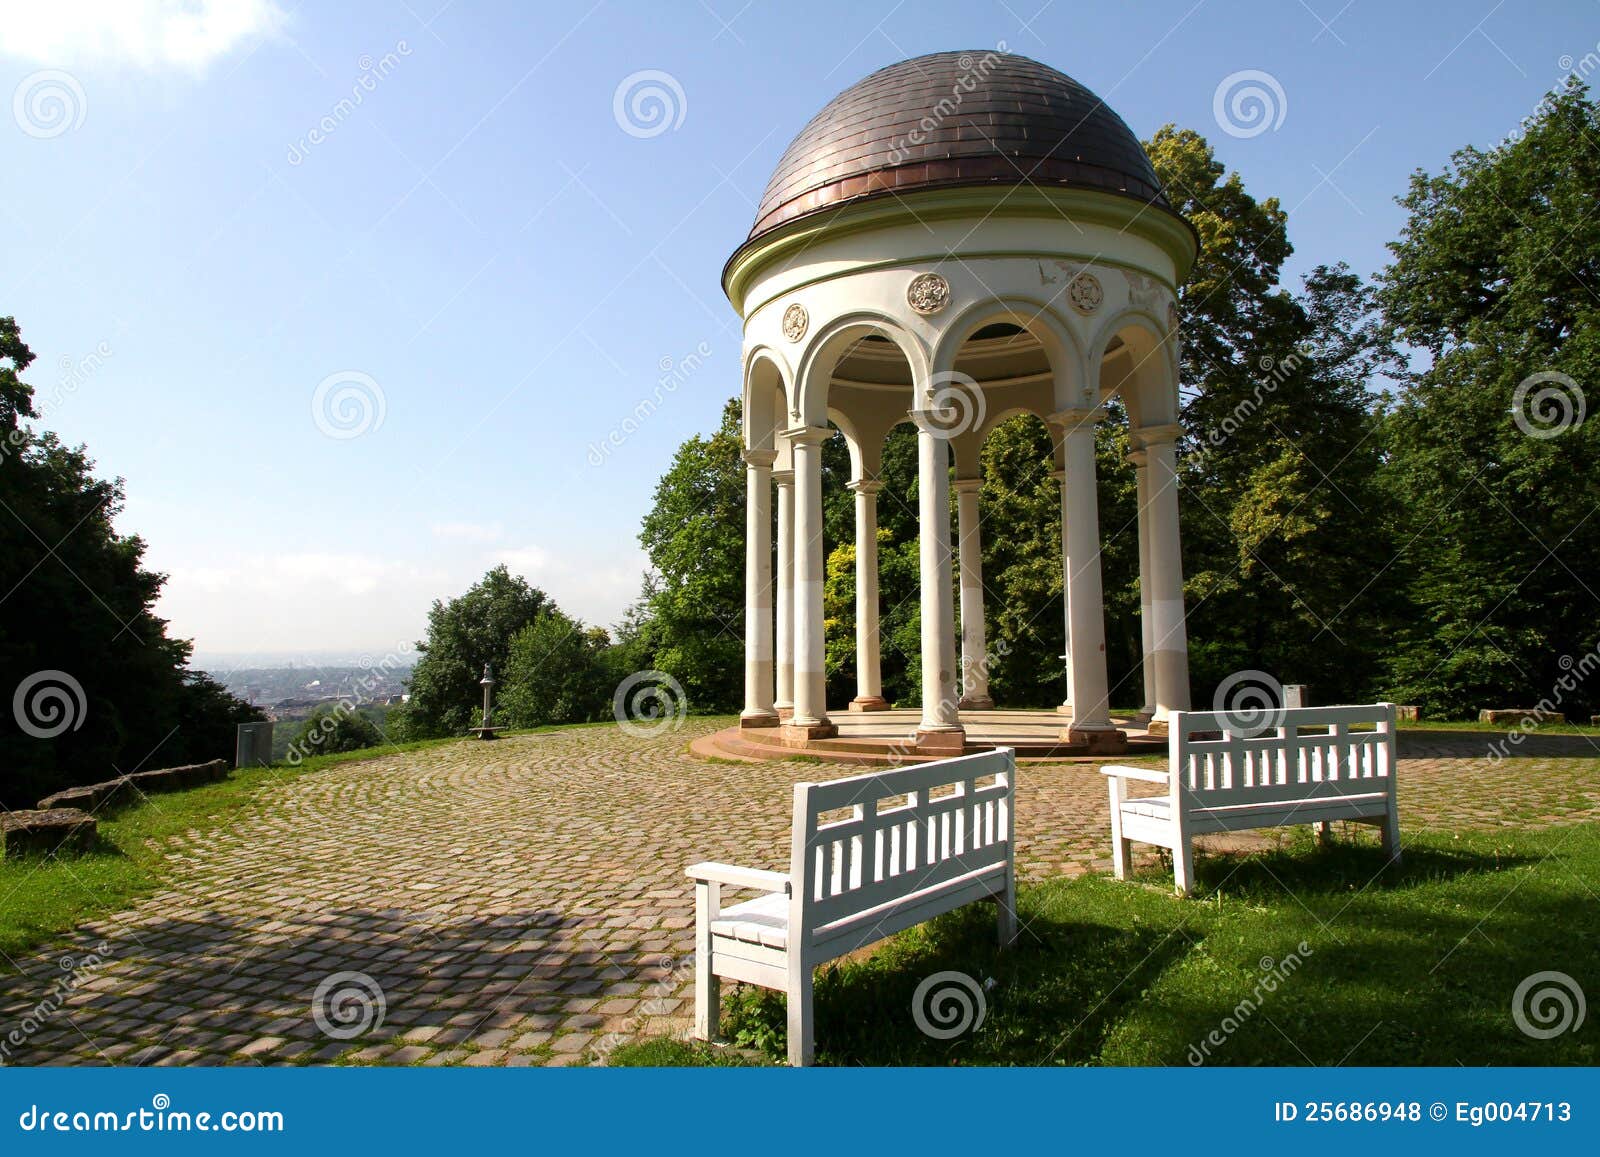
(41, 897)
(1293, 957)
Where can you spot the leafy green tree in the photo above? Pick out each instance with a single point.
(693, 602)
(1493, 459)
(78, 615)
(334, 728)
(464, 634)
(556, 672)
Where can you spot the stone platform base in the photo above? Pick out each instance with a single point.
(886, 738)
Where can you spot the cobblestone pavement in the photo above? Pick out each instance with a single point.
(524, 901)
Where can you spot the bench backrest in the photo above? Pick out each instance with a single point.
(1298, 753)
(872, 839)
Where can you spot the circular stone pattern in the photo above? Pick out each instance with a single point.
(928, 293)
(1085, 293)
(795, 320)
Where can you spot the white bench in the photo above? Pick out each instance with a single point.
(913, 843)
(1313, 765)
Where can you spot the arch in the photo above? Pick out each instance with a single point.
(1148, 383)
(823, 351)
(1061, 348)
(765, 405)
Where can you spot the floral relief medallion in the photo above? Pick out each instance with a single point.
(1085, 293)
(795, 320)
(928, 293)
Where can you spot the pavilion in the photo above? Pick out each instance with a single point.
(954, 240)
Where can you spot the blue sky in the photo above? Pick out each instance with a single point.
(479, 254)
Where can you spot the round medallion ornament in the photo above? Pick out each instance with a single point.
(928, 293)
(1085, 293)
(795, 320)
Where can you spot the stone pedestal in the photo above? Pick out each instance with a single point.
(869, 703)
(799, 732)
(942, 742)
(1100, 740)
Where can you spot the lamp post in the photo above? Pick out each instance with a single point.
(487, 729)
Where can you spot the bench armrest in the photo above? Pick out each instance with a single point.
(1123, 772)
(739, 877)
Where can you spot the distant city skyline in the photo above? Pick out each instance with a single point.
(362, 302)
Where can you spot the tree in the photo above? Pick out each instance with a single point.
(693, 601)
(464, 634)
(1493, 465)
(556, 672)
(334, 728)
(103, 689)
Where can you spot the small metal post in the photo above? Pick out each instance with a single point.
(487, 729)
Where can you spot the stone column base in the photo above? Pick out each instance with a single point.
(1064, 709)
(1143, 718)
(869, 703)
(759, 719)
(1157, 727)
(796, 732)
(945, 741)
(975, 703)
(1100, 740)
(784, 710)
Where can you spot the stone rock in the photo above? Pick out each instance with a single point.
(51, 830)
(1510, 715)
(128, 787)
(1409, 714)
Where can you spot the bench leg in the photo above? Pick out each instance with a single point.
(1391, 835)
(707, 989)
(1006, 914)
(1183, 864)
(1325, 833)
(1121, 849)
(801, 1046)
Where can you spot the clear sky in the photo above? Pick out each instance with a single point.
(477, 270)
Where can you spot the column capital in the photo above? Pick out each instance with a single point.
(1147, 436)
(760, 457)
(1077, 420)
(784, 477)
(1059, 475)
(808, 435)
(869, 486)
(935, 422)
(1138, 457)
(967, 485)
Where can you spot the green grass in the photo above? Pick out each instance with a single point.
(1410, 966)
(41, 897)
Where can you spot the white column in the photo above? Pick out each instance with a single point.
(869, 679)
(1140, 460)
(974, 646)
(784, 702)
(1091, 717)
(1066, 595)
(758, 709)
(810, 670)
(1169, 642)
(940, 729)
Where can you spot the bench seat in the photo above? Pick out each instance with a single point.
(915, 842)
(1310, 765)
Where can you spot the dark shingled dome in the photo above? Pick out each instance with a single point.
(956, 118)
